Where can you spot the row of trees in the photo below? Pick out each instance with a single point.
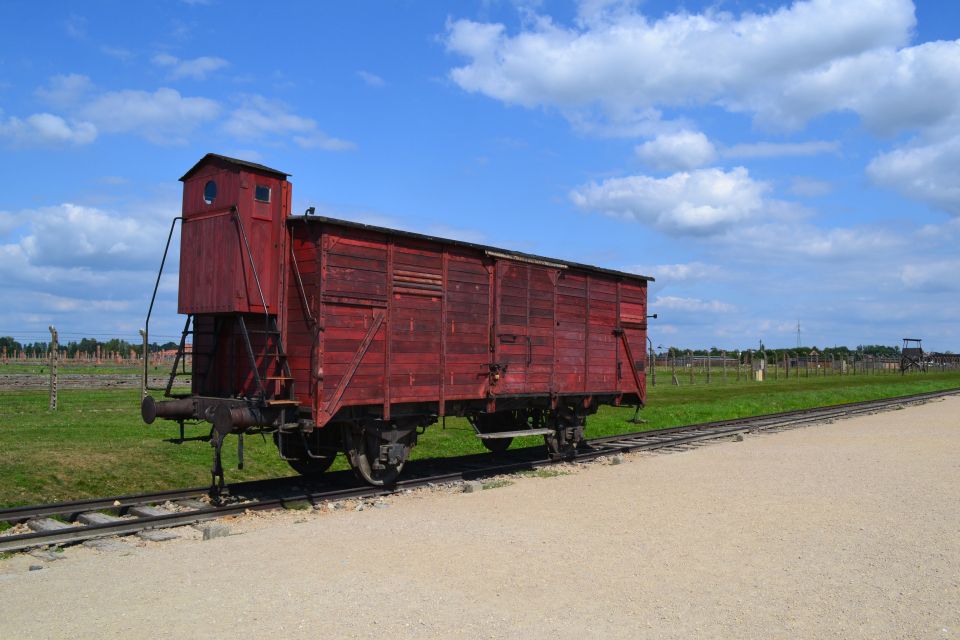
(839, 353)
(86, 346)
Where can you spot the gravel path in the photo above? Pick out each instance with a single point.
(848, 530)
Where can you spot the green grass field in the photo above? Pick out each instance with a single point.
(96, 444)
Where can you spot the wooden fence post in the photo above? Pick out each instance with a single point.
(54, 356)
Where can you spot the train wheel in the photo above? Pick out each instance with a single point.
(312, 466)
(297, 457)
(377, 458)
(567, 434)
(559, 447)
(497, 445)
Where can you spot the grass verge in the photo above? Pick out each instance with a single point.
(96, 445)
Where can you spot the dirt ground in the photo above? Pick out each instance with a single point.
(846, 530)
(34, 382)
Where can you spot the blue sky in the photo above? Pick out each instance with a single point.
(768, 162)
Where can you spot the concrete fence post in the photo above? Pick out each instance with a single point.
(54, 356)
(653, 367)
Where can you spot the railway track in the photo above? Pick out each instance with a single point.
(79, 520)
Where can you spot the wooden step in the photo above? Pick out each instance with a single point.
(281, 402)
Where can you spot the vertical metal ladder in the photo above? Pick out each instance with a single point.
(184, 350)
(275, 380)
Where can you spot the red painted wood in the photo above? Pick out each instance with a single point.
(449, 312)
(216, 271)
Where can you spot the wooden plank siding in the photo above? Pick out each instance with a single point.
(450, 312)
(216, 271)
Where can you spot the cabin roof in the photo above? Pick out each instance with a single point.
(215, 157)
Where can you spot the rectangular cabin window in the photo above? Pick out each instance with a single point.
(262, 193)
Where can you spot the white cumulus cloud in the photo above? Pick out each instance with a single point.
(259, 117)
(924, 170)
(616, 71)
(679, 272)
(163, 116)
(937, 275)
(675, 151)
(797, 239)
(698, 202)
(626, 63)
(75, 236)
(45, 129)
(65, 90)
(70, 258)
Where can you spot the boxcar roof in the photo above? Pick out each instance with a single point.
(216, 157)
(460, 243)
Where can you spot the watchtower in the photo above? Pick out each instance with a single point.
(911, 356)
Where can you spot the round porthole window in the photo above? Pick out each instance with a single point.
(210, 192)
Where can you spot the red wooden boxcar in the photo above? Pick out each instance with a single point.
(337, 336)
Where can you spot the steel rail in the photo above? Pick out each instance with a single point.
(122, 503)
(596, 447)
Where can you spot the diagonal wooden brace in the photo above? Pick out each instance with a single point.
(333, 404)
(633, 365)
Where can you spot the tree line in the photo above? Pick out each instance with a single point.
(838, 353)
(85, 346)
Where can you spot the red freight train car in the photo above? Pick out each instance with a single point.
(338, 336)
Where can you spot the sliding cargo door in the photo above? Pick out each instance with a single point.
(540, 328)
(524, 327)
(352, 345)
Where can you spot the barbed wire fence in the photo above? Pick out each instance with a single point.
(674, 367)
(687, 368)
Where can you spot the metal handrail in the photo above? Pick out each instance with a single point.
(300, 288)
(253, 266)
(263, 300)
(315, 326)
(153, 298)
